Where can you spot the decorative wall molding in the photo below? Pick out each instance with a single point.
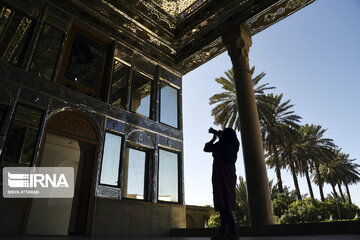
(73, 124)
(273, 14)
(140, 137)
(210, 51)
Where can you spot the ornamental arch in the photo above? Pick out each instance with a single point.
(70, 140)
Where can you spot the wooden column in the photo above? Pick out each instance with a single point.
(238, 43)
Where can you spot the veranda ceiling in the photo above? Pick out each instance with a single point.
(182, 34)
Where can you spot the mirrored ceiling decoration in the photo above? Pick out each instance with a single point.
(180, 33)
(177, 8)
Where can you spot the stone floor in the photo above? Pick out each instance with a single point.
(316, 237)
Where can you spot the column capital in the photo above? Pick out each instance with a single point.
(238, 42)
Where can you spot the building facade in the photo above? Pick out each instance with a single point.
(73, 95)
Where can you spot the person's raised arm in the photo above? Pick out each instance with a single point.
(209, 146)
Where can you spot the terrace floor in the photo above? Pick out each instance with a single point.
(317, 237)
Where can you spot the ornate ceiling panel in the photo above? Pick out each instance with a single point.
(176, 8)
(181, 34)
(273, 14)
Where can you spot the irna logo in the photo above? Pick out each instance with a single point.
(38, 182)
(33, 180)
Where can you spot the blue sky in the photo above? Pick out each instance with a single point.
(313, 58)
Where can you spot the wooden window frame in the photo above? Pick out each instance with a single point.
(120, 161)
(93, 36)
(21, 141)
(146, 173)
(178, 103)
(141, 74)
(179, 176)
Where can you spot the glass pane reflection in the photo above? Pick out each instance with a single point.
(2, 115)
(15, 28)
(119, 84)
(141, 95)
(4, 17)
(169, 105)
(168, 176)
(23, 135)
(47, 51)
(134, 174)
(85, 62)
(111, 160)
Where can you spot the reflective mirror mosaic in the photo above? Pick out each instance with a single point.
(119, 84)
(141, 95)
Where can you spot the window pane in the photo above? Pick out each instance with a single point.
(4, 17)
(141, 95)
(111, 160)
(168, 176)
(134, 174)
(2, 116)
(23, 135)
(169, 105)
(47, 51)
(85, 62)
(119, 84)
(14, 35)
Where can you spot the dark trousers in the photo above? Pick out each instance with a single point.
(227, 221)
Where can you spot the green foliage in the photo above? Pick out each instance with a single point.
(310, 210)
(225, 112)
(304, 211)
(241, 213)
(281, 200)
(288, 210)
(214, 220)
(280, 205)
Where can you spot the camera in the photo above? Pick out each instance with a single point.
(215, 132)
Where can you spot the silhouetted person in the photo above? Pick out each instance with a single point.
(224, 153)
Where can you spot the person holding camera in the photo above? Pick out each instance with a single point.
(224, 153)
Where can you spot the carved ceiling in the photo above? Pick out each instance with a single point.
(182, 34)
(177, 8)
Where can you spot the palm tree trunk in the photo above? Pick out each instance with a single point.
(341, 193)
(296, 183)
(309, 182)
(348, 192)
(277, 170)
(320, 181)
(334, 191)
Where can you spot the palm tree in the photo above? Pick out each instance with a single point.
(303, 156)
(274, 127)
(290, 152)
(351, 173)
(316, 149)
(329, 170)
(225, 113)
(338, 170)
